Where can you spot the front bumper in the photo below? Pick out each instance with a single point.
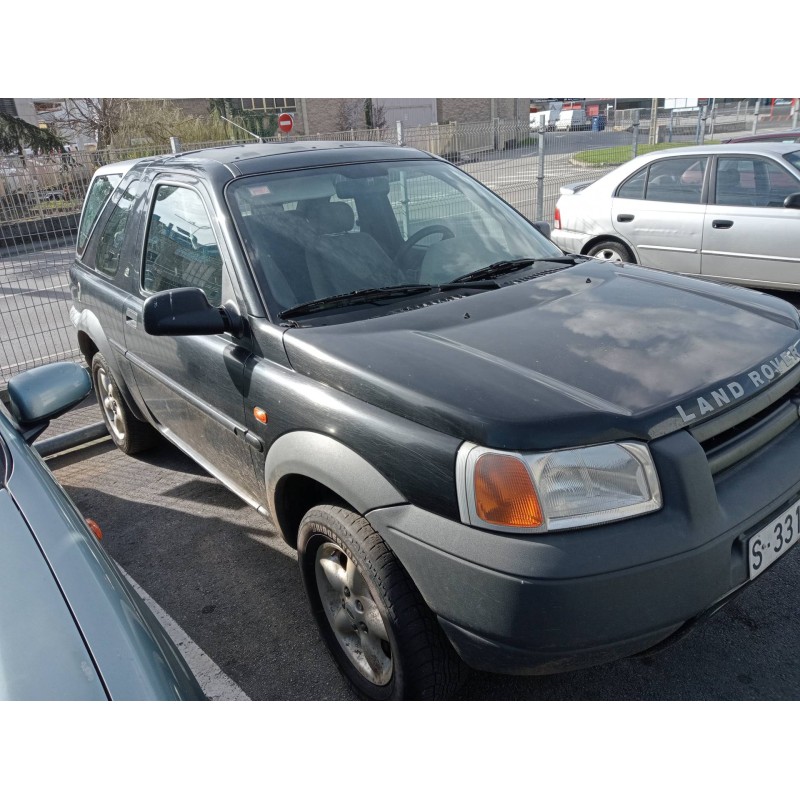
(562, 601)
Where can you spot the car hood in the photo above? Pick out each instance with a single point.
(43, 654)
(587, 354)
(76, 628)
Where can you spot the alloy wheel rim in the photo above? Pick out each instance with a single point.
(110, 405)
(607, 254)
(353, 614)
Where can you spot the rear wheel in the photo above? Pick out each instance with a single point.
(129, 434)
(383, 637)
(609, 250)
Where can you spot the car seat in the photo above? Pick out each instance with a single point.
(342, 260)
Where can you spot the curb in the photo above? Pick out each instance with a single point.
(66, 441)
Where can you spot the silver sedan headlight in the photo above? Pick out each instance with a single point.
(540, 492)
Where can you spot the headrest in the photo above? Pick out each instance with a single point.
(331, 217)
(728, 178)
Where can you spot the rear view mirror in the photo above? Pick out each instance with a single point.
(349, 189)
(181, 312)
(543, 228)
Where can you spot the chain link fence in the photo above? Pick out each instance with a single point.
(41, 196)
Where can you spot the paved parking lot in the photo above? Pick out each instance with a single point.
(217, 568)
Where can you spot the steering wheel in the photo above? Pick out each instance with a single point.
(405, 248)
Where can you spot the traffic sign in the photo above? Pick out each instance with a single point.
(285, 123)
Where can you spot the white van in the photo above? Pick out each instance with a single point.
(543, 120)
(572, 119)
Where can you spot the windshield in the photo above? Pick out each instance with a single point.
(316, 233)
(793, 158)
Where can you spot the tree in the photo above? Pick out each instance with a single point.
(124, 122)
(154, 122)
(16, 135)
(374, 115)
(350, 114)
(356, 114)
(98, 117)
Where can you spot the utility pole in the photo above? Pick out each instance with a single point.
(653, 137)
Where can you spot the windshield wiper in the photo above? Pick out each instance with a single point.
(353, 298)
(385, 293)
(503, 267)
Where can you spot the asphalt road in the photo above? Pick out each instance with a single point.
(230, 582)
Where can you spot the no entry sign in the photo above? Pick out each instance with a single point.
(285, 123)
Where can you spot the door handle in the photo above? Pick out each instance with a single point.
(722, 223)
(624, 217)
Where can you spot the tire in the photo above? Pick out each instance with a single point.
(609, 250)
(381, 634)
(128, 433)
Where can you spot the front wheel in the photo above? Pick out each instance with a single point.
(383, 637)
(609, 250)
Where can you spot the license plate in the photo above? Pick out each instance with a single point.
(773, 540)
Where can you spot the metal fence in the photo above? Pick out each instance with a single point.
(41, 196)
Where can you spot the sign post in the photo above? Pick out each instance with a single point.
(285, 123)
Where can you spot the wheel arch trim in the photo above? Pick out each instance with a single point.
(327, 461)
(90, 332)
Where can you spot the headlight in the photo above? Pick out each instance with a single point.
(539, 492)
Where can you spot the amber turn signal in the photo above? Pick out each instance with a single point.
(260, 415)
(94, 528)
(504, 492)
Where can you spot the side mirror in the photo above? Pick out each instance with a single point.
(182, 312)
(543, 228)
(43, 393)
(792, 201)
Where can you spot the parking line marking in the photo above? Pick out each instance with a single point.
(213, 681)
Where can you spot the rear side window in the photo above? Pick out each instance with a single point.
(181, 250)
(99, 192)
(109, 245)
(672, 180)
(633, 188)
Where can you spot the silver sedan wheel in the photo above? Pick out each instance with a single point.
(610, 252)
(352, 613)
(111, 405)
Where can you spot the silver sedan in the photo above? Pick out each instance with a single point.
(730, 212)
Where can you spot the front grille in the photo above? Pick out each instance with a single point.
(743, 431)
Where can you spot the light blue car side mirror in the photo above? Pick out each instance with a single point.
(43, 393)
